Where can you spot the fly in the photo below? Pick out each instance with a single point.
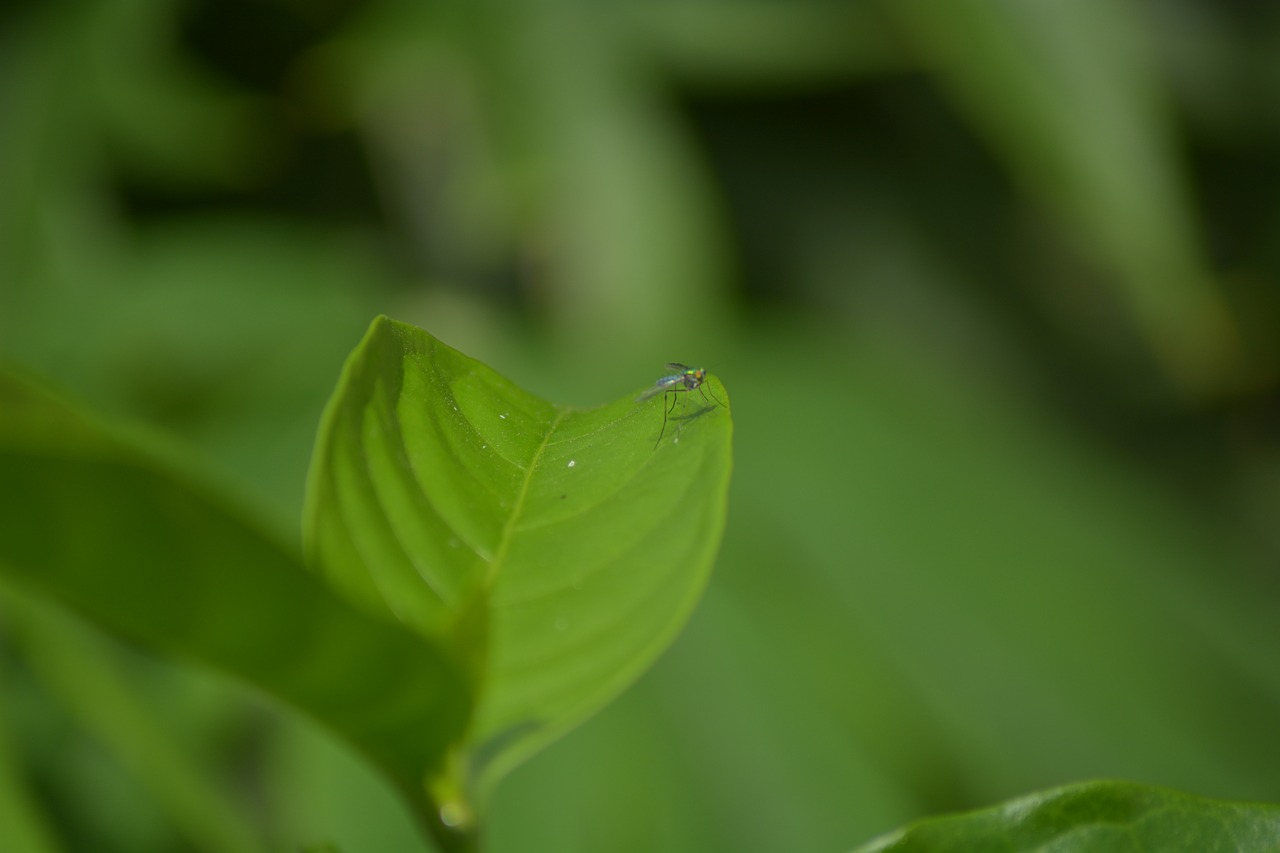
(683, 379)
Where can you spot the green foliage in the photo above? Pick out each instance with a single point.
(559, 546)
(26, 828)
(993, 283)
(96, 691)
(1087, 132)
(1098, 817)
(497, 546)
(88, 520)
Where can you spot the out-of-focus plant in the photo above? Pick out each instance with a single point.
(490, 557)
(992, 282)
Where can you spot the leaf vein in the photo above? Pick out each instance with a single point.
(517, 508)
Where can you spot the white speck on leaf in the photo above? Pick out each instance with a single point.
(572, 462)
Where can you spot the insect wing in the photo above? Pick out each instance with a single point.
(677, 367)
(663, 384)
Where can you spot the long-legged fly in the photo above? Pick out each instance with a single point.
(683, 379)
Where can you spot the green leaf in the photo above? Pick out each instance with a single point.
(1095, 817)
(561, 548)
(87, 519)
(103, 698)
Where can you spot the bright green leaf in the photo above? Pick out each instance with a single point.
(1095, 817)
(90, 521)
(561, 547)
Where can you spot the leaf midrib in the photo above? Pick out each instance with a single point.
(517, 508)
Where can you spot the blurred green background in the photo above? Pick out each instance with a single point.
(991, 284)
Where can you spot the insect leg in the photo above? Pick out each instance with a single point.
(665, 412)
(713, 396)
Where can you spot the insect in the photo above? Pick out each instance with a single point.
(682, 379)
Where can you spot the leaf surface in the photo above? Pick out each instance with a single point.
(88, 519)
(1095, 817)
(560, 547)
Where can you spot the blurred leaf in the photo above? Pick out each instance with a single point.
(1068, 95)
(25, 826)
(164, 115)
(621, 213)
(560, 546)
(1096, 817)
(335, 796)
(90, 521)
(586, 180)
(764, 47)
(97, 691)
(183, 331)
(85, 88)
(734, 737)
(1056, 611)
